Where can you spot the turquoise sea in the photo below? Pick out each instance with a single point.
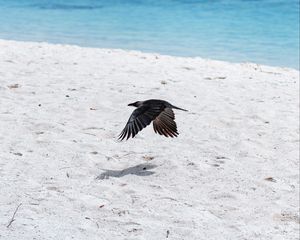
(261, 31)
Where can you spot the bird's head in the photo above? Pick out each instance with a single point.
(135, 104)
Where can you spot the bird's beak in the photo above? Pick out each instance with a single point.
(130, 104)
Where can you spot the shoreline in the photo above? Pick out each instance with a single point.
(151, 53)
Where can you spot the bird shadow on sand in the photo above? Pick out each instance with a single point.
(139, 170)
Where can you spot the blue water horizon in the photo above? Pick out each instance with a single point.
(264, 32)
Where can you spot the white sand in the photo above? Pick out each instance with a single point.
(209, 183)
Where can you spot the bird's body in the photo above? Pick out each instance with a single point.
(158, 111)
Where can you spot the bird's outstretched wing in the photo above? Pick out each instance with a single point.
(139, 119)
(164, 123)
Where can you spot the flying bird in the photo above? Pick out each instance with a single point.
(158, 111)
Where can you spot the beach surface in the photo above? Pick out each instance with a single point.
(233, 172)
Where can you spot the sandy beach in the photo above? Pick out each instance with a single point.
(232, 173)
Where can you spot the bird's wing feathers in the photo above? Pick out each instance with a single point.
(164, 123)
(139, 119)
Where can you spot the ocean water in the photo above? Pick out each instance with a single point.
(261, 31)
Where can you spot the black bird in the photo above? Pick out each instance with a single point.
(158, 111)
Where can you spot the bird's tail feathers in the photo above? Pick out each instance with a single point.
(179, 108)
